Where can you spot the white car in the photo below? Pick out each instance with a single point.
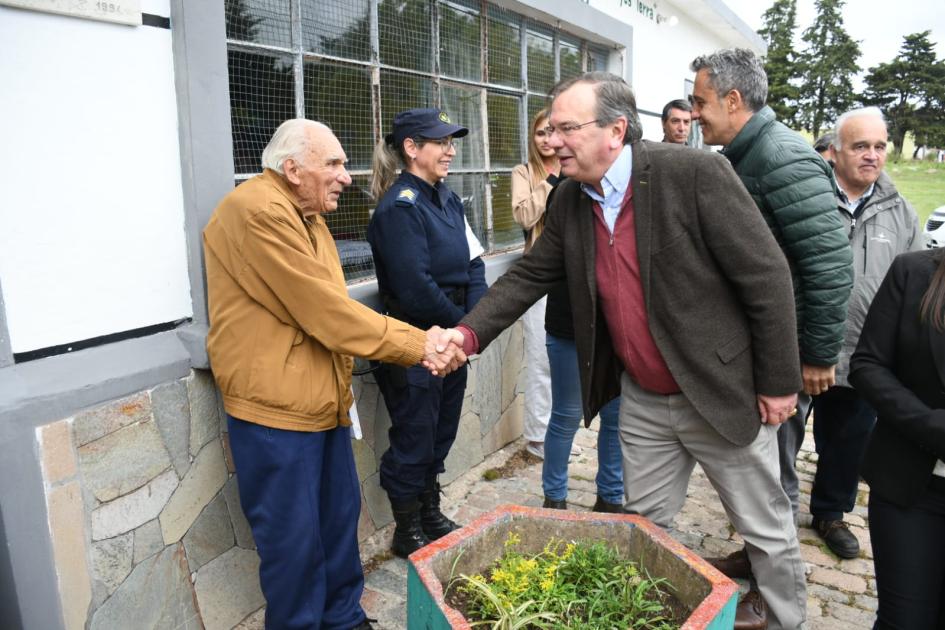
(935, 228)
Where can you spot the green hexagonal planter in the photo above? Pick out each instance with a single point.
(711, 596)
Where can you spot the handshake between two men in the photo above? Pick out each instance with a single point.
(443, 351)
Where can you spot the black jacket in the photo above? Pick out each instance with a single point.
(899, 367)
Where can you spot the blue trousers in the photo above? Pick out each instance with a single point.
(843, 422)
(424, 413)
(301, 496)
(566, 414)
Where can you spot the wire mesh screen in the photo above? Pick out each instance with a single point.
(359, 62)
(339, 29)
(339, 95)
(504, 37)
(460, 41)
(406, 30)
(505, 137)
(264, 22)
(262, 95)
(541, 61)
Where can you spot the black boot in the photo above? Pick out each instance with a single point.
(435, 524)
(408, 535)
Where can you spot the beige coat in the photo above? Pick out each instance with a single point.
(282, 326)
(528, 202)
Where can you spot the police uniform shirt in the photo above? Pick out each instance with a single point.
(421, 254)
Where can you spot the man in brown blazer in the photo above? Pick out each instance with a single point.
(683, 306)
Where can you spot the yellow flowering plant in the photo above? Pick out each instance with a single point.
(569, 584)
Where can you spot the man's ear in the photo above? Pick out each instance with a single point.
(291, 169)
(618, 130)
(733, 101)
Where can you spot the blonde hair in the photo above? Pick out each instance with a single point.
(539, 174)
(385, 164)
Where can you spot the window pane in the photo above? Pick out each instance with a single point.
(463, 107)
(541, 62)
(340, 97)
(460, 45)
(596, 60)
(341, 29)
(471, 190)
(536, 103)
(405, 33)
(506, 232)
(258, 21)
(262, 96)
(401, 91)
(505, 139)
(505, 47)
(570, 59)
(348, 224)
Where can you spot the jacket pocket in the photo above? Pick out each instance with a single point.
(733, 347)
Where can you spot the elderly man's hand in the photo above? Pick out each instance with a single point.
(776, 409)
(444, 351)
(818, 378)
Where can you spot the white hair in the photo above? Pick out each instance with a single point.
(289, 141)
(875, 112)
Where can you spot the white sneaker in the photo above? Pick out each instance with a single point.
(536, 448)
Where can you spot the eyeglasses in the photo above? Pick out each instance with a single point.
(567, 128)
(444, 143)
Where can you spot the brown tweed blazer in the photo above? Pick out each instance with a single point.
(717, 288)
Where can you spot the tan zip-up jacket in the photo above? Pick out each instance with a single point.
(282, 326)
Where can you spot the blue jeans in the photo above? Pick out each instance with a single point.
(566, 414)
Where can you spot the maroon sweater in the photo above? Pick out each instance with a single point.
(620, 295)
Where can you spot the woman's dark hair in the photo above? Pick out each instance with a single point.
(932, 307)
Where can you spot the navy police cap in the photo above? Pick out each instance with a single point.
(423, 123)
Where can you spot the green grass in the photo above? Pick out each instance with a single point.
(922, 183)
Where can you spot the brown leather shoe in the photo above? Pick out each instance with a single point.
(751, 614)
(734, 565)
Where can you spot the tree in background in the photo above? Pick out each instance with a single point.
(780, 22)
(910, 90)
(828, 66)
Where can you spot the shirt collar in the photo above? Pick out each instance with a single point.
(845, 200)
(615, 180)
(437, 194)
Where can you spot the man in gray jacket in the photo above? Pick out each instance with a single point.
(881, 225)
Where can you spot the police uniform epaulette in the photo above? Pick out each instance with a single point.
(407, 197)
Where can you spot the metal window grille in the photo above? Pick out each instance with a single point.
(353, 64)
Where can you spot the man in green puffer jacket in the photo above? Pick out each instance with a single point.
(793, 188)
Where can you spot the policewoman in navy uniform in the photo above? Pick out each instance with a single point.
(429, 273)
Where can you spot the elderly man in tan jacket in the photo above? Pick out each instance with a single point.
(282, 332)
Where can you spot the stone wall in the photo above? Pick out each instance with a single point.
(144, 515)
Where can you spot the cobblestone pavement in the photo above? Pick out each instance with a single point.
(841, 594)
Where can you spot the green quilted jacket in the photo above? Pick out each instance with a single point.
(793, 188)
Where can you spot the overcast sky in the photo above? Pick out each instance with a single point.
(879, 25)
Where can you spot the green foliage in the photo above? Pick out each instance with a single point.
(828, 66)
(781, 64)
(921, 183)
(910, 90)
(578, 586)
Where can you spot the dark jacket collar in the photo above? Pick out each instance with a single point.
(438, 194)
(743, 140)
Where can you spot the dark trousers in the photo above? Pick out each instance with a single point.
(301, 496)
(909, 554)
(424, 412)
(842, 425)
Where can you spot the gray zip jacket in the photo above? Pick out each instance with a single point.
(887, 227)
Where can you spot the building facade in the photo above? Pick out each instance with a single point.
(122, 126)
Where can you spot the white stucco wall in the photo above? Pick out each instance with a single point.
(92, 239)
(662, 50)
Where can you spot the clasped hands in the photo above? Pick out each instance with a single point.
(443, 351)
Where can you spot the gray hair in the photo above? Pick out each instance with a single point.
(875, 112)
(289, 141)
(735, 69)
(614, 99)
